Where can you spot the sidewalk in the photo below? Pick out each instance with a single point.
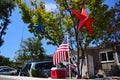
(5, 77)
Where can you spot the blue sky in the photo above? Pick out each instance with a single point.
(18, 29)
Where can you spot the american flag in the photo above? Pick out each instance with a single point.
(62, 53)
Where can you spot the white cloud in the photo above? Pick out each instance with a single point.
(50, 7)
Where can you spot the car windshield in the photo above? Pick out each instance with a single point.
(46, 65)
(26, 67)
(6, 69)
(1, 70)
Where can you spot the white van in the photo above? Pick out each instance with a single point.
(45, 65)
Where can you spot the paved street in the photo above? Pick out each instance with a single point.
(4, 77)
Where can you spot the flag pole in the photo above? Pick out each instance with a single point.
(69, 59)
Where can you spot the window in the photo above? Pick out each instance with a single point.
(46, 65)
(106, 56)
(118, 53)
(26, 67)
(110, 55)
(103, 57)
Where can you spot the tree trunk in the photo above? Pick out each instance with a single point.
(78, 64)
(78, 55)
(83, 58)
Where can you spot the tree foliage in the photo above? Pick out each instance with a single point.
(61, 21)
(5, 61)
(113, 33)
(6, 8)
(31, 50)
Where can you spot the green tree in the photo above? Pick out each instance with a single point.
(6, 8)
(31, 50)
(113, 33)
(5, 61)
(61, 21)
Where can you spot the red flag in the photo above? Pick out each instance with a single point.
(62, 53)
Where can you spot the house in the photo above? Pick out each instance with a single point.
(100, 57)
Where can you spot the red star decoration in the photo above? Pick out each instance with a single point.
(85, 20)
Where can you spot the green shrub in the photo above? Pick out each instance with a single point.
(37, 72)
(62, 65)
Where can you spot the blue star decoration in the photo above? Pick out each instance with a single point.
(38, 28)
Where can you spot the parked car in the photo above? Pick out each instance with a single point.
(6, 70)
(28, 67)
